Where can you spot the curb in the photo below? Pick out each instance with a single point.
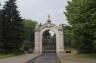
(59, 59)
(33, 58)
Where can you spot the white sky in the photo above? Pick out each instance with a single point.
(38, 10)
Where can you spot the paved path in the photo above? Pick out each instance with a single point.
(19, 59)
(46, 58)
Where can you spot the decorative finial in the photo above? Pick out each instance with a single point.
(49, 20)
(48, 17)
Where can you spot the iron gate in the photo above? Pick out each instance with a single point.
(49, 44)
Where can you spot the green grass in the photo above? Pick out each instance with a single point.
(87, 55)
(84, 55)
(6, 55)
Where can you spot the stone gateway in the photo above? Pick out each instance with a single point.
(40, 29)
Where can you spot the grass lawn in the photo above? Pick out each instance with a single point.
(84, 55)
(6, 55)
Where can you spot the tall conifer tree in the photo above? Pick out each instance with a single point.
(11, 23)
(0, 27)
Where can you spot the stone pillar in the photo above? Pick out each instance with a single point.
(61, 41)
(57, 43)
(37, 40)
(61, 44)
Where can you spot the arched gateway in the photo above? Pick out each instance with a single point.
(39, 38)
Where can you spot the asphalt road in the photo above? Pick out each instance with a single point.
(46, 58)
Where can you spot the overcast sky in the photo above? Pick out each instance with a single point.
(38, 10)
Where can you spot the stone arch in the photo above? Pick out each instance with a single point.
(40, 29)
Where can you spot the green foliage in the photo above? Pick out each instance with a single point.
(29, 29)
(81, 14)
(67, 36)
(0, 26)
(11, 35)
(46, 34)
(2, 56)
(83, 55)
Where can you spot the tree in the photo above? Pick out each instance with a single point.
(29, 31)
(81, 15)
(1, 44)
(11, 23)
(0, 24)
(46, 34)
(67, 36)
